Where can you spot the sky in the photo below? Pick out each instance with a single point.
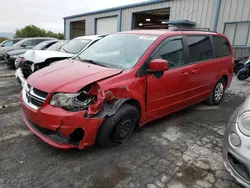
(48, 14)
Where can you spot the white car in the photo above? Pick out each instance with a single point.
(34, 60)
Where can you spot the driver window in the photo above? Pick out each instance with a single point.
(173, 52)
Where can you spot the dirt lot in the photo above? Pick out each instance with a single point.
(181, 150)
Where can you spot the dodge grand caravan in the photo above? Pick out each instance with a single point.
(124, 81)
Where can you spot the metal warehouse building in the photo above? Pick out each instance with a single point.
(231, 17)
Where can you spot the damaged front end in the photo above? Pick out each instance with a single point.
(72, 120)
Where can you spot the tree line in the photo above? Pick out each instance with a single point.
(34, 31)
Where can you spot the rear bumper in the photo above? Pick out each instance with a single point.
(56, 126)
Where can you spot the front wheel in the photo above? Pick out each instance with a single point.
(217, 95)
(117, 128)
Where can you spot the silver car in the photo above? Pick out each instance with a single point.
(236, 147)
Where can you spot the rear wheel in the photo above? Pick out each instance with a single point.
(218, 93)
(117, 128)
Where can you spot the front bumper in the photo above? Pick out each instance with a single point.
(20, 77)
(237, 159)
(2, 58)
(10, 62)
(56, 126)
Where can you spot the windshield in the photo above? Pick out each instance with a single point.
(19, 43)
(40, 46)
(120, 51)
(56, 46)
(74, 46)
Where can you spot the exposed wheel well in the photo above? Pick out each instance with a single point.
(225, 79)
(138, 106)
(134, 103)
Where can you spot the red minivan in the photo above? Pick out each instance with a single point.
(124, 81)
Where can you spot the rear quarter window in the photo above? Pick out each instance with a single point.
(222, 47)
(200, 48)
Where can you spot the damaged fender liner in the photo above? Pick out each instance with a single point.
(108, 102)
(110, 109)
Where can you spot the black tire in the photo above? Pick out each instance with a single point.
(214, 98)
(110, 132)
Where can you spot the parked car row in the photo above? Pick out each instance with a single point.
(26, 43)
(34, 60)
(9, 42)
(11, 56)
(99, 89)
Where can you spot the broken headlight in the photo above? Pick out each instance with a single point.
(72, 102)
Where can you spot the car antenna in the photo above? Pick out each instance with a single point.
(190, 14)
(176, 15)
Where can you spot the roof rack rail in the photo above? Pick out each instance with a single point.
(192, 29)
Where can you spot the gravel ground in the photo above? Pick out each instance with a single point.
(179, 151)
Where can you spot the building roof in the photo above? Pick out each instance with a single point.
(116, 8)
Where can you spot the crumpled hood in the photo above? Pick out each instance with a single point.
(69, 76)
(17, 52)
(39, 56)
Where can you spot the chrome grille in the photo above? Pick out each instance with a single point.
(33, 97)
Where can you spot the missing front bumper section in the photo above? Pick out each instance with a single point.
(75, 137)
(50, 134)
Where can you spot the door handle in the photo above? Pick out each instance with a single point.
(184, 73)
(194, 71)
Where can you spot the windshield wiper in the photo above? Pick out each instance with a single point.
(93, 62)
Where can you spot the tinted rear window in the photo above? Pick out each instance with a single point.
(200, 48)
(221, 46)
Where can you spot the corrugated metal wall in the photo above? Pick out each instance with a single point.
(233, 11)
(200, 11)
(89, 22)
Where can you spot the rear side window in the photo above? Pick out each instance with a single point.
(200, 48)
(221, 46)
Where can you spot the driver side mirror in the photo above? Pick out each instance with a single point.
(2, 45)
(158, 65)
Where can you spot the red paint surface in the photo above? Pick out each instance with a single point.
(175, 90)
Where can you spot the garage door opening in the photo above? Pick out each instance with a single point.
(77, 29)
(156, 19)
